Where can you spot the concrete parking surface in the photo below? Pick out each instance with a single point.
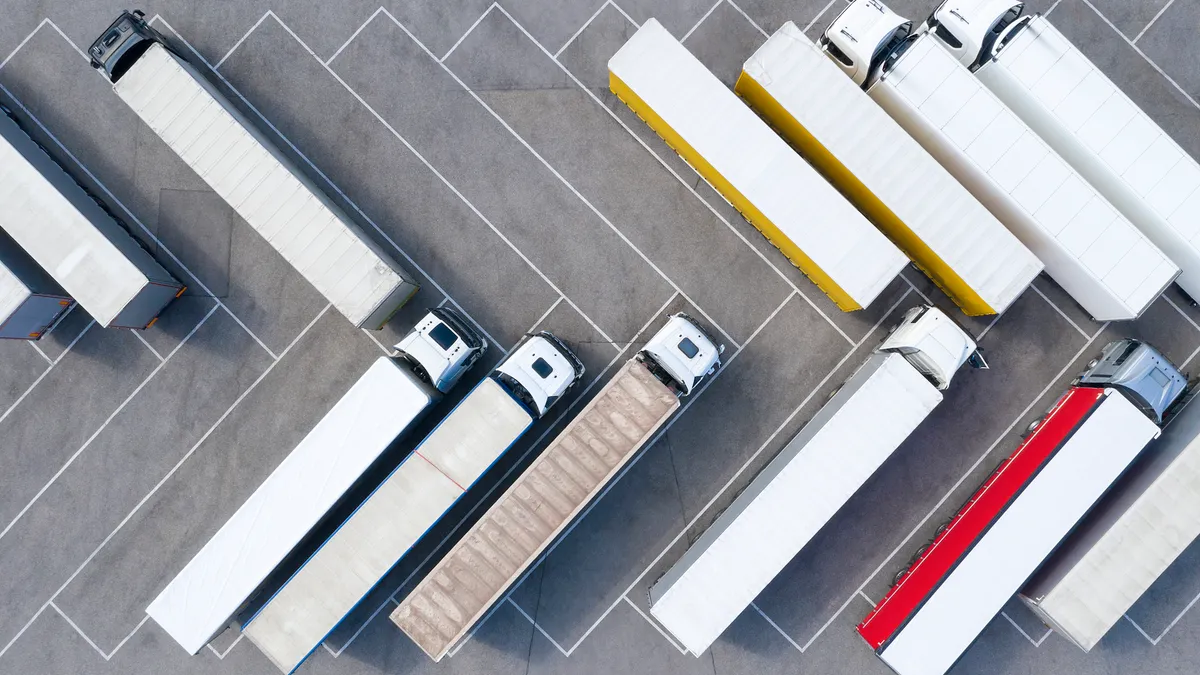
(478, 140)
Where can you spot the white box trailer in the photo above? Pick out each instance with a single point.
(1111, 269)
(895, 182)
(31, 302)
(411, 500)
(1127, 541)
(814, 475)
(751, 167)
(573, 469)
(1032, 67)
(74, 239)
(228, 571)
(249, 172)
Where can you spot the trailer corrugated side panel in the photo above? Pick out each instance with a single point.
(1093, 125)
(78, 243)
(809, 221)
(206, 594)
(793, 497)
(381, 531)
(971, 595)
(283, 205)
(893, 180)
(1127, 541)
(1090, 249)
(543, 501)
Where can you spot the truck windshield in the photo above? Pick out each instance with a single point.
(442, 335)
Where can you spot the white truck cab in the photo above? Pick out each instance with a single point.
(539, 371)
(863, 36)
(933, 344)
(441, 347)
(683, 352)
(973, 29)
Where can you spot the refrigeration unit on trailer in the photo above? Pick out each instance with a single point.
(1127, 541)
(890, 178)
(814, 475)
(576, 466)
(1113, 270)
(809, 221)
(74, 239)
(977, 561)
(31, 302)
(411, 500)
(1032, 67)
(231, 569)
(248, 171)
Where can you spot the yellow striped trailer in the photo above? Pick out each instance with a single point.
(896, 183)
(809, 221)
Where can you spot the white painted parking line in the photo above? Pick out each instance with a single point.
(864, 597)
(539, 628)
(1181, 312)
(21, 44)
(1174, 621)
(231, 646)
(574, 35)
(138, 335)
(819, 15)
(1035, 643)
(162, 364)
(35, 383)
(1058, 310)
(628, 18)
(79, 630)
(1152, 21)
(697, 24)
(661, 631)
(748, 19)
(40, 352)
(217, 65)
(987, 329)
(689, 185)
(779, 630)
(1183, 366)
(1139, 629)
(382, 348)
(444, 56)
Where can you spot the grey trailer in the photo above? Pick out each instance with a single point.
(30, 300)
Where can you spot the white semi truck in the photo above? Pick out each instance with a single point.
(577, 465)
(412, 499)
(74, 238)
(1111, 269)
(248, 171)
(1036, 71)
(229, 571)
(890, 178)
(1130, 538)
(31, 302)
(814, 475)
(812, 224)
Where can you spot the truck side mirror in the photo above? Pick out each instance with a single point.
(976, 360)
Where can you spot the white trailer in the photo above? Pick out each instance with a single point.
(411, 500)
(249, 172)
(890, 178)
(74, 239)
(814, 475)
(507, 540)
(228, 571)
(1111, 269)
(754, 169)
(1127, 541)
(1030, 66)
(31, 302)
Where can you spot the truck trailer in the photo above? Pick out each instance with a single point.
(576, 466)
(230, 570)
(412, 499)
(1127, 541)
(814, 475)
(1107, 265)
(892, 180)
(1036, 71)
(68, 232)
(251, 174)
(978, 560)
(809, 221)
(31, 302)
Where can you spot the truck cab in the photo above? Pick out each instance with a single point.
(682, 354)
(1142, 374)
(122, 44)
(865, 38)
(933, 344)
(972, 30)
(441, 347)
(540, 371)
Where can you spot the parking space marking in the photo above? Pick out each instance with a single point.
(237, 44)
(779, 630)
(138, 335)
(79, 631)
(864, 597)
(697, 24)
(748, 19)
(39, 351)
(989, 327)
(162, 364)
(652, 622)
(106, 657)
(1139, 629)
(1152, 21)
(818, 16)
(539, 628)
(445, 56)
(1059, 311)
(21, 44)
(1171, 625)
(1035, 643)
(45, 372)
(571, 39)
(1188, 360)
(382, 348)
(1181, 312)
